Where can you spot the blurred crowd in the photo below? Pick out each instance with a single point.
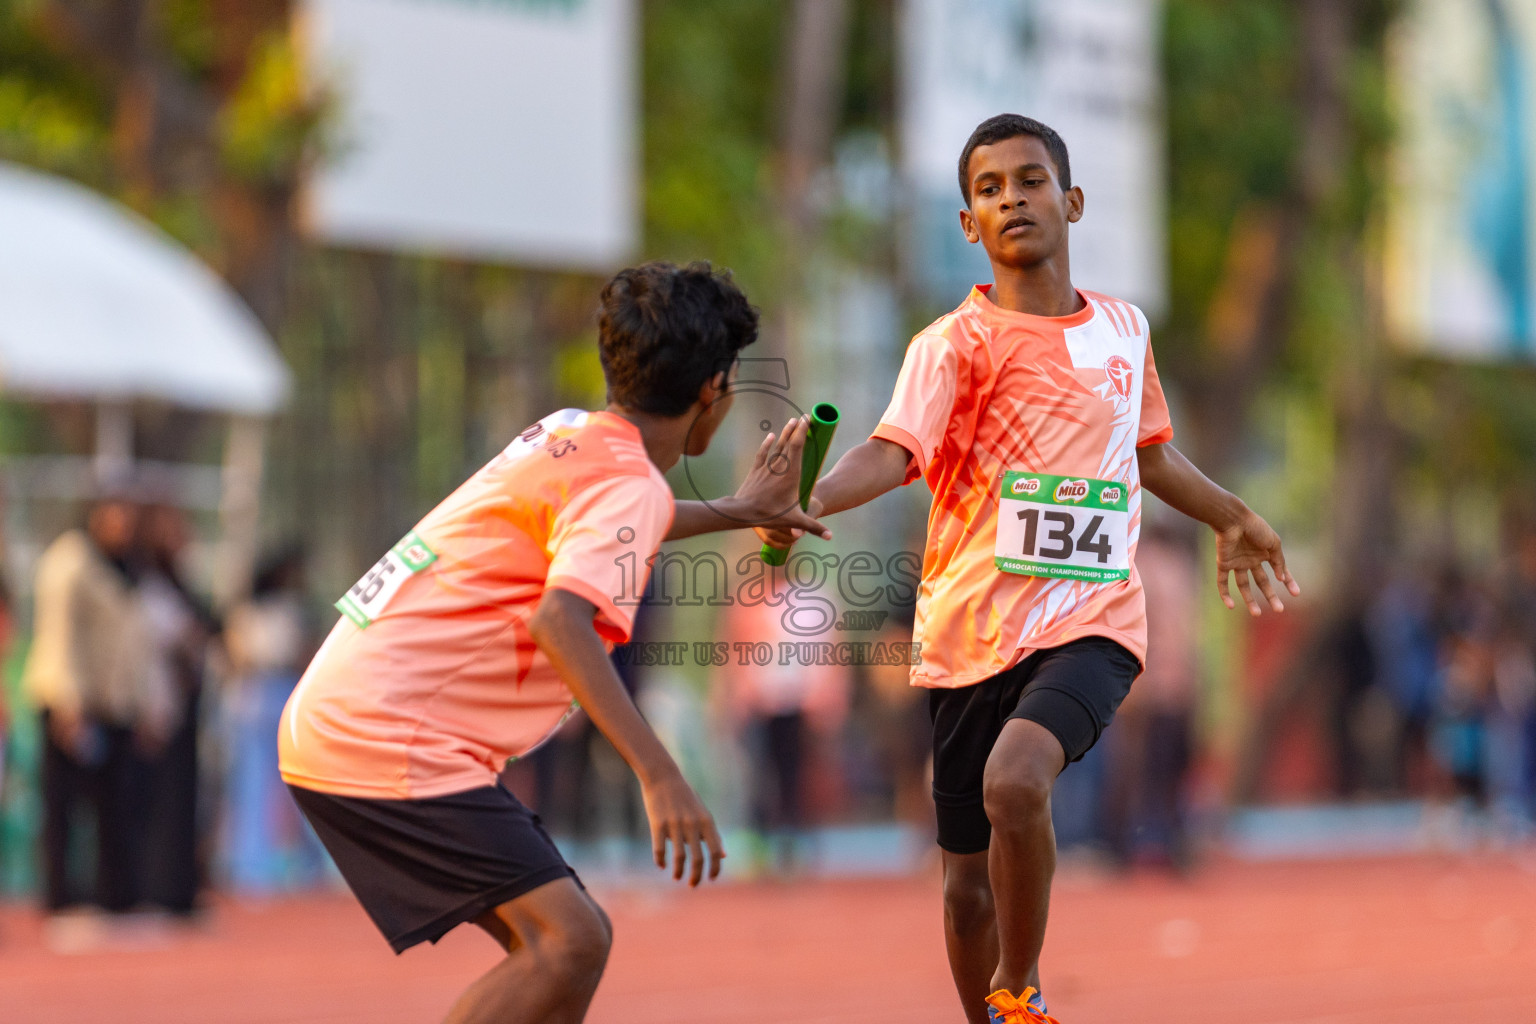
(157, 771)
(1436, 688)
(130, 674)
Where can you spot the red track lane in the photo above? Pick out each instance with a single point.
(1335, 943)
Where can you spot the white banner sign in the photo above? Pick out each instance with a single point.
(1086, 68)
(493, 129)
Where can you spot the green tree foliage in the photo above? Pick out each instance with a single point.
(709, 77)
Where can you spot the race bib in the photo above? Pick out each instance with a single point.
(367, 599)
(1064, 527)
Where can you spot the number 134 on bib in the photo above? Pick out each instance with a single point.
(1064, 527)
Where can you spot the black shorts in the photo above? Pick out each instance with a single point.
(1071, 690)
(423, 867)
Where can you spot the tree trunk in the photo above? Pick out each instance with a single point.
(1250, 318)
(814, 65)
(1363, 462)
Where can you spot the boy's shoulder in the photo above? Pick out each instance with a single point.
(566, 453)
(961, 323)
(578, 441)
(1126, 317)
(958, 330)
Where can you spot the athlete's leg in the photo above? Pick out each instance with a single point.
(557, 942)
(1021, 771)
(970, 930)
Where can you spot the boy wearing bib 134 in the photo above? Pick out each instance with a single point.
(1034, 414)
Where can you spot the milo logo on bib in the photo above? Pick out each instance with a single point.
(1071, 490)
(1064, 527)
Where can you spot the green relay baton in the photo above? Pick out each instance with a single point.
(818, 440)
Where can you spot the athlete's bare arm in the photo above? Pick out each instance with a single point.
(769, 497)
(867, 471)
(562, 627)
(1244, 541)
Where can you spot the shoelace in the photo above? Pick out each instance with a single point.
(1016, 1009)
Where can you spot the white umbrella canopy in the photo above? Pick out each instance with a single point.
(96, 303)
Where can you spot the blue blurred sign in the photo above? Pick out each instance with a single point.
(1460, 269)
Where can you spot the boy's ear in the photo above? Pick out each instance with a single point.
(1074, 204)
(968, 225)
(713, 387)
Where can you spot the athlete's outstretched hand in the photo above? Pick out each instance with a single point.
(677, 815)
(784, 535)
(769, 497)
(1243, 548)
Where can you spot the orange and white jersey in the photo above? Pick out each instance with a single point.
(428, 685)
(984, 391)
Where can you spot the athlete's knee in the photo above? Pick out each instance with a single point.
(605, 921)
(968, 902)
(578, 946)
(1016, 794)
(1020, 774)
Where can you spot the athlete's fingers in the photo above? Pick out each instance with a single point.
(778, 537)
(1262, 579)
(787, 437)
(696, 854)
(808, 525)
(659, 844)
(679, 850)
(716, 848)
(1221, 588)
(764, 450)
(1245, 587)
(1277, 561)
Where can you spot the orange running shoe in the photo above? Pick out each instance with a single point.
(1029, 1008)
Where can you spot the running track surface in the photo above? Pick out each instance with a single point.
(1333, 943)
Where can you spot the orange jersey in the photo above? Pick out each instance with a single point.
(984, 391)
(444, 682)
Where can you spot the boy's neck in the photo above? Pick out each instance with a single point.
(665, 437)
(1042, 289)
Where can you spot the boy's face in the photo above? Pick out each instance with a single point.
(1019, 212)
(717, 399)
(112, 524)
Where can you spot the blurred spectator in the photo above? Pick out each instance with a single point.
(1511, 752)
(1510, 715)
(1150, 742)
(1405, 648)
(1466, 620)
(1359, 715)
(901, 734)
(180, 627)
(1520, 601)
(270, 641)
(88, 672)
(1466, 687)
(1460, 724)
(780, 711)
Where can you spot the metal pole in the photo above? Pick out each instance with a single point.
(240, 508)
(114, 442)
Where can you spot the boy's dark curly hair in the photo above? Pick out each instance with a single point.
(1008, 126)
(663, 330)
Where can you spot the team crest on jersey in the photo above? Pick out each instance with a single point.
(1119, 371)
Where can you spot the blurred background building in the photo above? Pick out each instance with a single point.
(330, 255)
